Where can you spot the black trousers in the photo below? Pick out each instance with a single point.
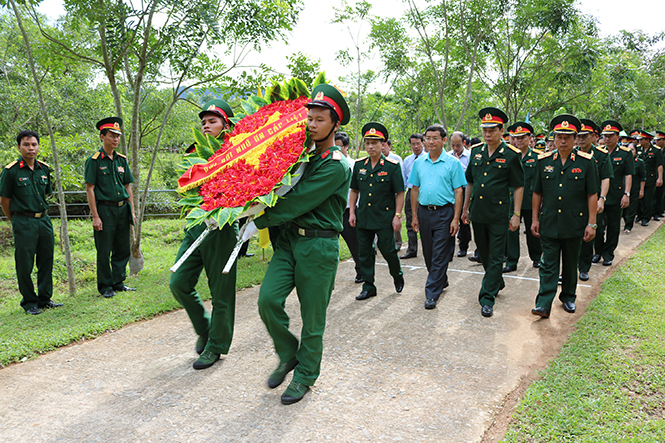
(411, 234)
(438, 246)
(464, 233)
(351, 238)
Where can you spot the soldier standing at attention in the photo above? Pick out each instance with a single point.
(565, 203)
(618, 196)
(307, 252)
(24, 185)
(522, 132)
(493, 169)
(636, 191)
(585, 137)
(653, 165)
(214, 330)
(378, 181)
(107, 186)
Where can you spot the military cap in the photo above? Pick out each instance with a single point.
(327, 96)
(639, 134)
(540, 136)
(491, 117)
(375, 130)
(541, 142)
(565, 124)
(588, 127)
(113, 124)
(219, 107)
(519, 129)
(506, 135)
(550, 137)
(659, 135)
(610, 127)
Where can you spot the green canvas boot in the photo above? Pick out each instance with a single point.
(277, 376)
(294, 393)
(201, 343)
(207, 359)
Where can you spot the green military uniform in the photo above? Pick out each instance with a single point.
(607, 235)
(660, 191)
(490, 209)
(307, 252)
(564, 215)
(652, 158)
(33, 232)
(109, 176)
(630, 212)
(604, 170)
(529, 161)
(376, 209)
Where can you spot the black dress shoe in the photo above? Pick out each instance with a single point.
(51, 304)
(461, 253)
(359, 278)
(109, 293)
(655, 217)
(486, 311)
(509, 269)
(124, 288)
(408, 255)
(536, 264)
(569, 306)
(399, 283)
(474, 258)
(607, 262)
(584, 276)
(541, 312)
(364, 295)
(645, 222)
(596, 258)
(430, 303)
(33, 311)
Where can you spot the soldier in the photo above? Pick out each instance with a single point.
(585, 138)
(564, 213)
(378, 181)
(636, 191)
(109, 194)
(214, 330)
(653, 165)
(493, 169)
(549, 140)
(24, 185)
(522, 135)
(659, 142)
(618, 195)
(307, 251)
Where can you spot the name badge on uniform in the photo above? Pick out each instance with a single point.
(102, 167)
(382, 173)
(121, 169)
(362, 172)
(500, 160)
(23, 179)
(576, 171)
(549, 168)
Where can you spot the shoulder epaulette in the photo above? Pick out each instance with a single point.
(477, 145)
(361, 159)
(45, 164)
(95, 156)
(538, 151)
(513, 148)
(545, 155)
(336, 155)
(11, 164)
(123, 156)
(586, 155)
(392, 160)
(602, 149)
(625, 149)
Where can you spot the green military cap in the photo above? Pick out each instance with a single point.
(549, 137)
(375, 130)
(565, 124)
(219, 107)
(659, 135)
(113, 124)
(518, 129)
(491, 117)
(639, 134)
(610, 127)
(327, 96)
(588, 127)
(541, 143)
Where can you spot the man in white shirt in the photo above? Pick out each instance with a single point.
(416, 141)
(461, 153)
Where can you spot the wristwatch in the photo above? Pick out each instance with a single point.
(398, 215)
(594, 226)
(603, 197)
(517, 214)
(626, 193)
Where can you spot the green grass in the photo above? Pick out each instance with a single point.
(87, 315)
(608, 383)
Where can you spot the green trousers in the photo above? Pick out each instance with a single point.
(607, 233)
(645, 209)
(491, 243)
(513, 242)
(33, 238)
(112, 244)
(212, 256)
(630, 212)
(658, 201)
(309, 264)
(386, 244)
(556, 250)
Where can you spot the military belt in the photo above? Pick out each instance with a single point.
(30, 214)
(108, 203)
(435, 207)
(321, 233)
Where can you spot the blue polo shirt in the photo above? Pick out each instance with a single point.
(437, 180)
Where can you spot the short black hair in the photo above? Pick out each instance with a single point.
(390, 142)
(474, 141)
(418, 136)
(343, 137)
(26, 134)
(437, 128)
(104, 131)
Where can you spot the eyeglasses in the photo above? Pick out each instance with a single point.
(433, 139)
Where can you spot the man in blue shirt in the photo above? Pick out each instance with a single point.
(436, 204)
(416, 141)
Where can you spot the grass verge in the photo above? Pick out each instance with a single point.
(88, 315)
(608, 383)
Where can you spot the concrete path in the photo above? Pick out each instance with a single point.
(391, 371)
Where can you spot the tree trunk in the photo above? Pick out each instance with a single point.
(56, 162)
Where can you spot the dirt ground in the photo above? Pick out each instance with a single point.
(391, 370)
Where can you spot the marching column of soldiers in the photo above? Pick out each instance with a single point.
(571, 187)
